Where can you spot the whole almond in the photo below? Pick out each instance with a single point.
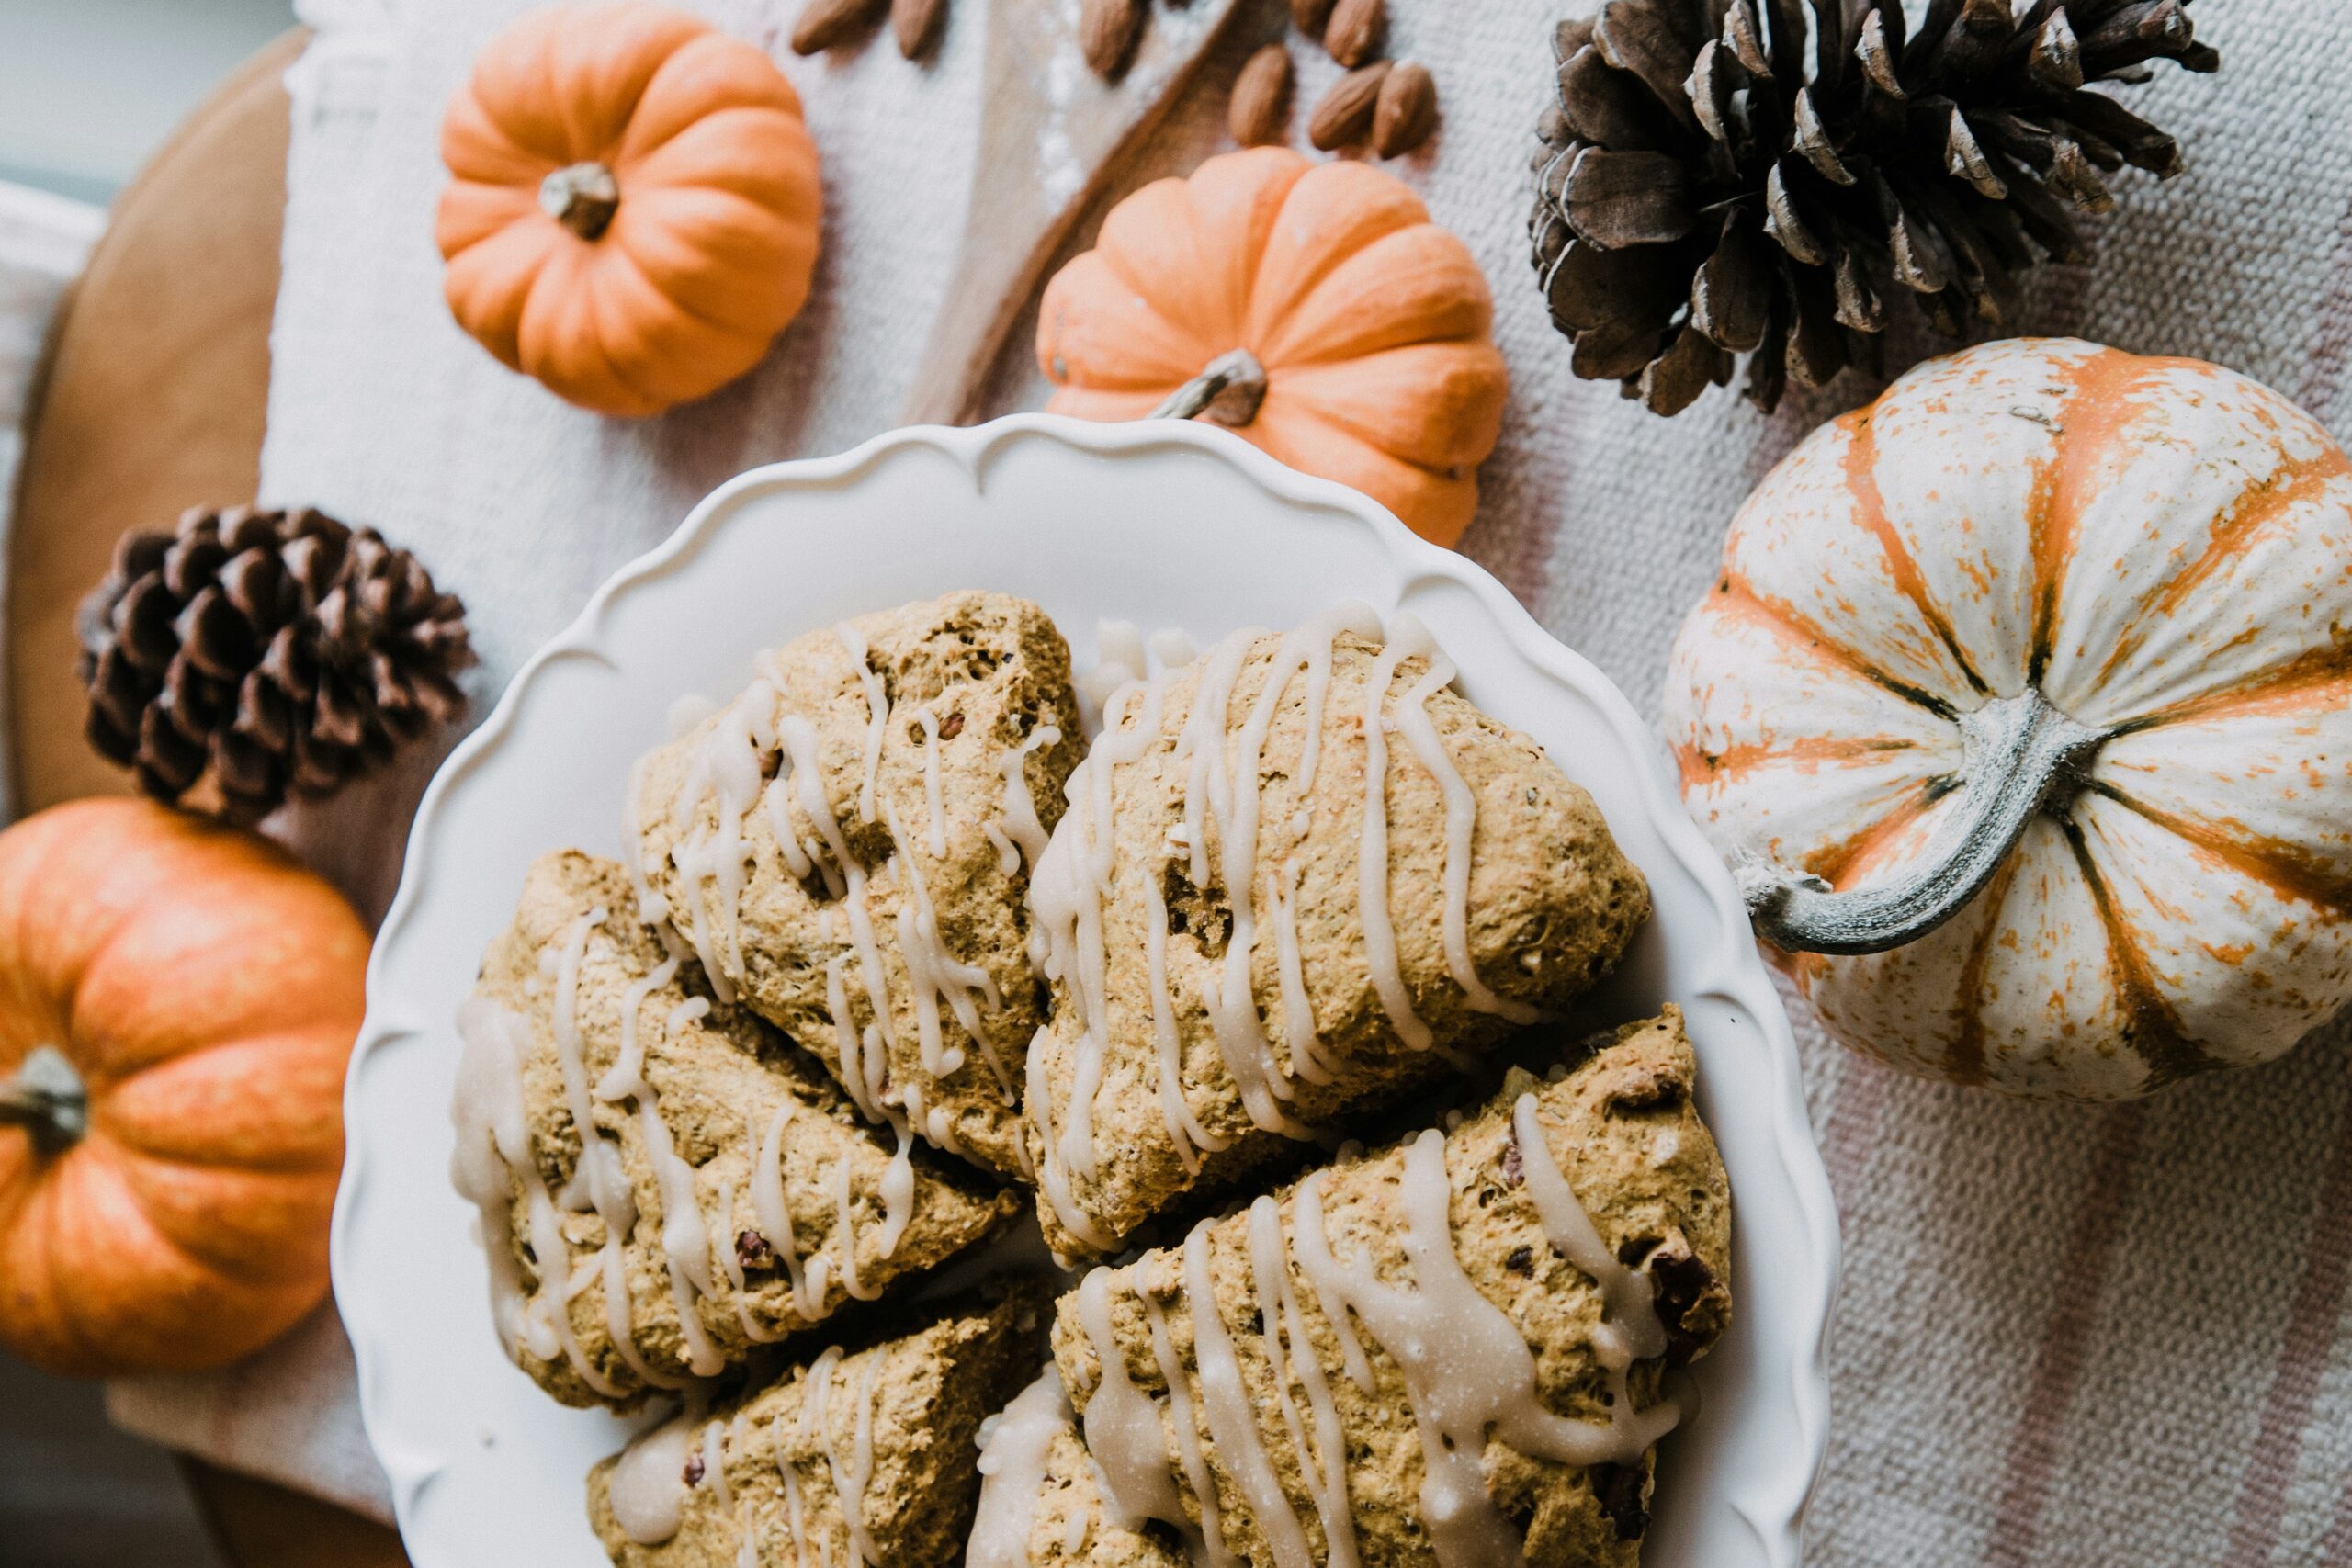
(916, 25)
(1107, 30)
(1407, 110)
(824, 23)
(1310, 15)
(1260, 110)
(1344, 115)
(1356, 31)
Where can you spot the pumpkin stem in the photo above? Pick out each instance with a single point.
(2020, 756)
(1226, 393)
(581, 197)
(47, 1099)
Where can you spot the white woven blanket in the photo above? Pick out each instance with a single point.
(2067, 1336)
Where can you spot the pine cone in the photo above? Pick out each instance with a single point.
(1703, 193)
(280, 652)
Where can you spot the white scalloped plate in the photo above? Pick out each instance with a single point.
(1164, 525)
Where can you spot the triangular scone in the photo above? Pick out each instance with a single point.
(1041, 1496)
(915, 760)
(727, 1167)
(1449, 1349)
(848, 1460)
(1222, 839)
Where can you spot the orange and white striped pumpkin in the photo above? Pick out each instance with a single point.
(2046, 654)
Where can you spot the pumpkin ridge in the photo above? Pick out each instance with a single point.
(1701, 769)
(1780, 616)
(2263, 691)
(1836, 863)
(2301, 877)
(1269, 304)
(2297, 481)
(2096, 385)
(1860, 464)
(1966, 1060)
(2152, 1030)
(238, 1259)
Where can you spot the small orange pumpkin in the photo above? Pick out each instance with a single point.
(634, 211)
(177, 1004)
(1312, 308)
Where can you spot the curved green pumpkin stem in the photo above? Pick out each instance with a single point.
(46, 1098)
(2020, 757)
(1228, 393)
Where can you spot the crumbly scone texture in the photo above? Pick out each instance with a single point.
(719, 1080)
(1624, 1132)
(990, 671)
(1552, 904)
(1074, 1527)
(931, 1390)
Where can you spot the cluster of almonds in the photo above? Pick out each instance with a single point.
(824, 24)
(1392, 103)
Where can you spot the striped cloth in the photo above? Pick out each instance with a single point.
(2067, 1336)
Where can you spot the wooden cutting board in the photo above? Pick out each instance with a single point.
(151, 400)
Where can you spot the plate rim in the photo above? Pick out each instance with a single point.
(1735, 973)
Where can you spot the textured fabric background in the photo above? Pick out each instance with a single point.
(2066, 1336)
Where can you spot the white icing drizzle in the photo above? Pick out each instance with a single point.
(937, 839)
(1230, 789)
(1122, 1424)
(1630, 1329)
(1008, 854)
(722, 1244)
(844, 1212)
(492, 1152)
(646, 1488)
(713, 1463)
(1022, 827)
(934, 973)
(1461, 823)
(849, 1489)
(685, 1238)
(1467, 1367)
(815, 1383)
(652, 909)
(1184, 1130)
(877, 704)
(1014, 1444)
(747, 1548)
(1232, 1422)
(898, 1190)
(724, 770)
(1053, 1176)
(861, 1464)
(1372, 847)
(1291, 1353)
(1208, 1540)
(1067, 885)
(775, 1219)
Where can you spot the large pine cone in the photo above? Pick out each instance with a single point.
(280, 652)
(1703, 192)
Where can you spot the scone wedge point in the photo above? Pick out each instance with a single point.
(727, 1194)
(846, 846)
(1299, 878)
(847, 1459)
(1454, 1351)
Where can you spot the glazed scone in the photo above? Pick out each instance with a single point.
(1041, 1495)
(846, 847)
(1265, 913)
(1450, 1351)
(859, 1459)
(731, 1195)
